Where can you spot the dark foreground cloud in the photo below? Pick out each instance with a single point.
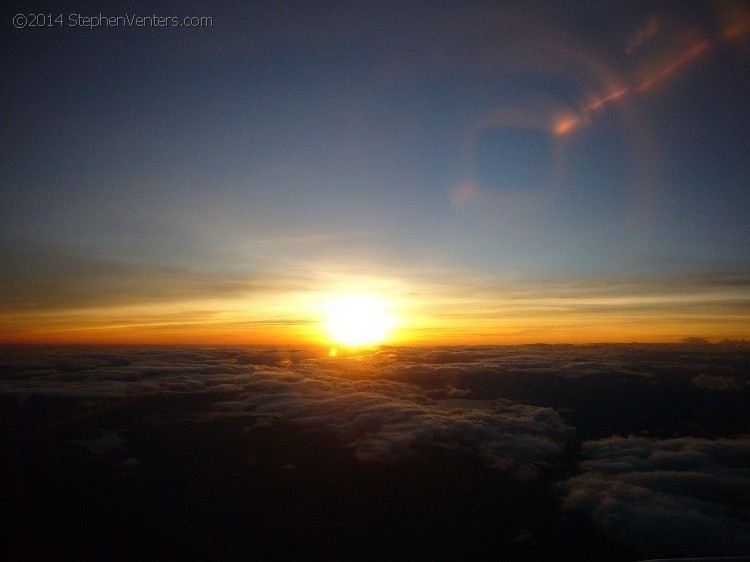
(518, 410)
(500, 401)
(387, 421)
(673, 497)
(380, 419)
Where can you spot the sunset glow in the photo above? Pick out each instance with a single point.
(356, 320)
(489, 192)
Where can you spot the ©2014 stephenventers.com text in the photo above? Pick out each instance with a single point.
(22, 21)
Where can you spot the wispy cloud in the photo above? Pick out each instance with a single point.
(49, 277)
(54, 293)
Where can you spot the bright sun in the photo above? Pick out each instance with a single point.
(356, 320)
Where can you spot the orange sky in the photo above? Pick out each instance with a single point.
(454, 311)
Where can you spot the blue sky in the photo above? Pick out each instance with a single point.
(410, 150)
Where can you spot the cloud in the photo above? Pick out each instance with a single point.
(456, 371)
(389, 403)
(673, 497)
(55, 293)
(684, 496)
(106, 442)
(387, 421)
(358, 400)
(47, 277)
(125, 372)
(715, 382)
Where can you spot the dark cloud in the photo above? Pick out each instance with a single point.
(715, 382)
(386, 421)
(495, 401)
(674, 497)
(381, 419)
(517, 409)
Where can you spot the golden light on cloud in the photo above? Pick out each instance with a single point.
(357, 320)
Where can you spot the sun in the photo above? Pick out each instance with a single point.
(357, 320)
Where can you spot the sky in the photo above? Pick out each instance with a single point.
(557, 173)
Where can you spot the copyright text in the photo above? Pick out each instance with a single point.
(22, 21)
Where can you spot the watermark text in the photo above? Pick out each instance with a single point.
(89, 21)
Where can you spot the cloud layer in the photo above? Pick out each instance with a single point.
(386, 421)
(511, 407)
(673, 497)
(381, 419)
